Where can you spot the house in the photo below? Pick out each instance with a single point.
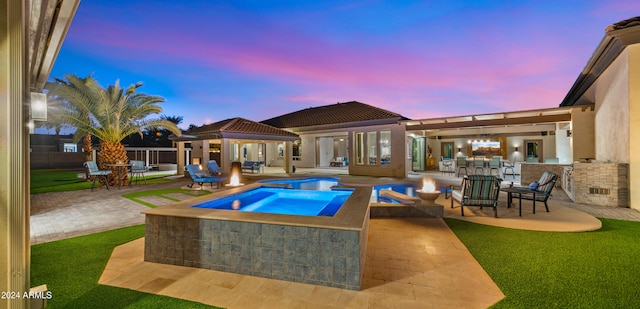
(610, 81)
(363, 139)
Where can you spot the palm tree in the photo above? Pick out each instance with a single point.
(110, 114)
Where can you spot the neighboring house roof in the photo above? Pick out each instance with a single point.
(617, 37)
(347, 114)
(238, 128)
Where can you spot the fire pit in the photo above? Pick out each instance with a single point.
(234, 181)
(428, 191)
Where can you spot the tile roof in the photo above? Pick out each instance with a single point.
(339, 113)
(627, 23)
(235, 126)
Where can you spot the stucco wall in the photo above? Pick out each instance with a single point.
(583, 133)
(612, 112)
(634, 125)
(398, 155)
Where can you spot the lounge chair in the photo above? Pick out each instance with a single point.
(477, 190)
(543, 192)
(213, 168)
(137, 168)
(200, 177)
(95, 172)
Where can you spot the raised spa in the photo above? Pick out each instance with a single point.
(323, 250)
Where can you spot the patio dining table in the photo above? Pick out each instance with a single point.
(119, 167)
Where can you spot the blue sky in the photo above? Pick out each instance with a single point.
(213, 60)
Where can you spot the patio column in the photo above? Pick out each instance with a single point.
(180, 158)
(288, 157)
(634, 126)
(14, 154)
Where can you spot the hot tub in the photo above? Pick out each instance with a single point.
(322, 250)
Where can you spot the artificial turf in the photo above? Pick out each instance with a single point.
(164, 193)
(533, 269)
(71, 269)
(55, 180)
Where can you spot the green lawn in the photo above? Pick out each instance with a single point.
(55, 180)
(163, 193)
(71, 269)
(559, 270)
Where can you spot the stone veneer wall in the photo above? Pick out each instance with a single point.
(530, 172)
(600, 183)
(321, 256)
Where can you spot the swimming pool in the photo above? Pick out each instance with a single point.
(282, 201)
(312, 183)
(332, 184)
(404, 188)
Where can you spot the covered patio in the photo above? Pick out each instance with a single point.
(237, 140)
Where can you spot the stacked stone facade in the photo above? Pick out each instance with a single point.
(314, 255)
(601, 183)
(530, 172)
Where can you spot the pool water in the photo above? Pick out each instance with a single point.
(406, 189)
(330, 183)
(314, 183)
(282, 201)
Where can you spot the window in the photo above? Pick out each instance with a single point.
(385, 147)
(68, 147)
(234, 154)
(297, 150)
(372, 147)
(359, 147)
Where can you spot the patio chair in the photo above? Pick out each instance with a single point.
(510, 166)
(545, 185)
(200, 177)
(95, 172)
(447, 166)
(477, 190)
(478, 163)
(213, 168)
(461, 163)
(137, 168)
(494, 164)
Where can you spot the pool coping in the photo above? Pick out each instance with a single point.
(351, 216)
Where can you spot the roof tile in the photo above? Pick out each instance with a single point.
(332, 114)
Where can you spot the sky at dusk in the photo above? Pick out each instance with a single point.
(213, 60)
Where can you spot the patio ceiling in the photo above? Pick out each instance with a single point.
(504, 124)
(48, 25)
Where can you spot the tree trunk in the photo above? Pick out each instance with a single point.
(112, 153)
(87, 148)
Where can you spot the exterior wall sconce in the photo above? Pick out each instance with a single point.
(38, 106)
(516, 148)
(459, 149)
